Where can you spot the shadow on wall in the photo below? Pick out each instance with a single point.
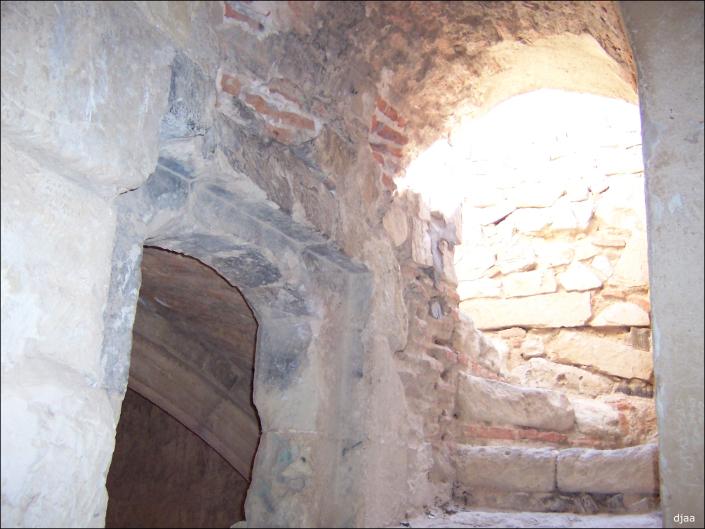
(163, 475)
(193, 355)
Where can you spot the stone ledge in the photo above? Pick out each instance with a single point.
(486, 400)
(505, 468)
(628, 470)
(631, 470)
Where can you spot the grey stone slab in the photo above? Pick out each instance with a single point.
(506, 468)
(626, 470)
(480, 399)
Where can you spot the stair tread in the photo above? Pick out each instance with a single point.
(533, 519)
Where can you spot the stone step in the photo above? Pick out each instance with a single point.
(562, 418)
(572, 479)
(480, 399)
(530, 519)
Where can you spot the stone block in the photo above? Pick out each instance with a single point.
(471, 262)
(626, 470)
(602, 266)
(506, 469)
(396, 225)
(479, 288)
(552, 253)
(515, 257)
(542, 373)
(69, 101)
(480, 399)
(421, 243)
(632, 269)
(595, 418)
(529, 283)
(621, 314)
(571, 216)
(538, 194)
(492, 214)
(579, 277)
(562, 309)
(530, 220)
(603, 354)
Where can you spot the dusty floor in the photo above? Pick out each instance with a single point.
(533, 519)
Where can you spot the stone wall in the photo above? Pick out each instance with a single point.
(163, 474)
(553, 267)
(254, 123)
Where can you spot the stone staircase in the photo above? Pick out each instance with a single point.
(519, 450)
(576, 480)
(526, 519)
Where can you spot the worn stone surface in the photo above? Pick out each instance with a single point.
(68, 103)
(529, 283)
(621, 314)
(563, 309)
(51, 341)
(476, 518)
(603, 354)
(479, 288)
(290, 169)
(486, 400)
(627, 470)
(595, 418)
(542, 373)
(579, 277)
(396, 224)
(504, 468)
(673, 161)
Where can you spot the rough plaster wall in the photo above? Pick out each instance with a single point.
(56, 245)
(163, 475)
(80, 115)
(667, 41)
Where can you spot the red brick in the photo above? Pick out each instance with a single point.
(378, 158)
(388, 182)
(281, 135)
(387, 109)
(384, 131)
(536, 435)
(490, 432)
(587, 442)
(259, 104)
(295, 120)
(230, 84)
(390, 150)
(463, 359)
(286, 89)
(373, 123)
(231, 12)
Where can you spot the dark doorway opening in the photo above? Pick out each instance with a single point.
(188, 429)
